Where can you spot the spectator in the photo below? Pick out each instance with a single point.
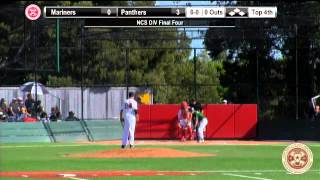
(2, 117)
(29, 103)
(11, 116)
(53, 116)
(58, 114)
(71, 117)
(23, 114)
(38, 107)
(313, 111)
(317, 113)
(4, 106)
(15, 108)
(20, 102)
(44, 116)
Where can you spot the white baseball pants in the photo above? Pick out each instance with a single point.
(128, 130)
(201, 128)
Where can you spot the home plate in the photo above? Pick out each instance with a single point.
(68, 175)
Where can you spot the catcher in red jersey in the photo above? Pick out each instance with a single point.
(184, 122)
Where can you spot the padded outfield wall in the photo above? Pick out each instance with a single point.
(234, 121)
(159, 121)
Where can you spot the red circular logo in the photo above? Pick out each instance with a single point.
(297, 158)
(32, 12)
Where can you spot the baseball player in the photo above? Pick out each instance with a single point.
(194, 106)
(184, 121)
(201, 122)
(122, 122)
(129, 113)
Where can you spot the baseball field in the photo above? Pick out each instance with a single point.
(150, 160)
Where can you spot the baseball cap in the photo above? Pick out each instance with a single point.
(184, 104)
(131, 94)
(198, 107)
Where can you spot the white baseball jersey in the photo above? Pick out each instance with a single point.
(128, 109)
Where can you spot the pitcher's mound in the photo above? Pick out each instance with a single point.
(142, 153)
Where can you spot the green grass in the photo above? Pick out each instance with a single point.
(240, 158)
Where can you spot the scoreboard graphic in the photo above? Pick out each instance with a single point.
(159, 16)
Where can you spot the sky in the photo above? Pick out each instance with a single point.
(198, 43)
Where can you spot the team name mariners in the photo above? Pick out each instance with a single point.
(62, 12)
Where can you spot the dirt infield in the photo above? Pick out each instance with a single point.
(82, 175)
(177, 142)
(141, 153)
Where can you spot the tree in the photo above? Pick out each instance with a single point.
(261, 64)
(156, 58)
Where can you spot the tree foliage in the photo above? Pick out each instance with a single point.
(154, 58)
(262, 56)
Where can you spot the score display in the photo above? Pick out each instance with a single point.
(158, 16)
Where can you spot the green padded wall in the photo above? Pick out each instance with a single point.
(104, 129)
(65, 131)
(68, 131)
(17, 132)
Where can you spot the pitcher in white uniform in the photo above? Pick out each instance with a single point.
(129, 113)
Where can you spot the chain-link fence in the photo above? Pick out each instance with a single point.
(160, 63)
